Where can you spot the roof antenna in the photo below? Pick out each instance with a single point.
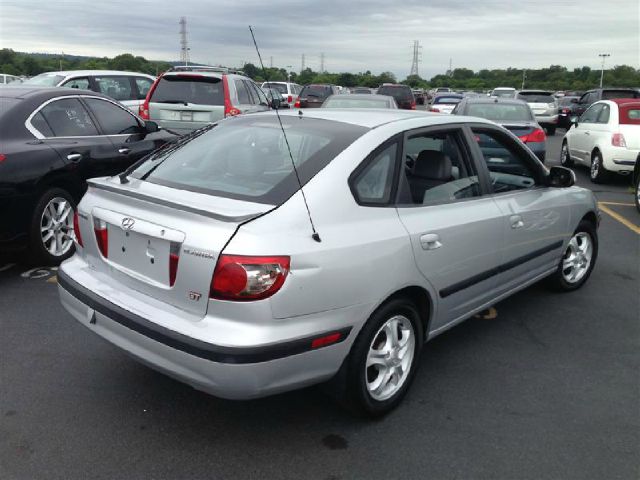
(315, 234)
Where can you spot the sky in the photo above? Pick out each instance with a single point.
(354, 35)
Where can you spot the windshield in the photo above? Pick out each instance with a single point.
(246, 158)
(188, 89)
(365, 102)
(277, 86)
(447, 100)
(44, 80)
(500, 112)
(537, 97)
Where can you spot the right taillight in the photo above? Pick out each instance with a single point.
(297, 104)
(143, 110)
(536, 136)
(617, 140)
(229, 109)
(102, 236)
(76, 228)
(243, 278)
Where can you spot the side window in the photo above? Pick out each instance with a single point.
(68, 118)
(591, 115)
(603, 117)
(373, 183)
(40, 124)
(81, 83)
(510, 168)
(436, 169)
(584, 98)
(113, 119)
(243, 93)
(118, 88)
(143, 84)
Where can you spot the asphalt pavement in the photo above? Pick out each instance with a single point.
(548, 389)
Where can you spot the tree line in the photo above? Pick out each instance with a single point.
(555, 77)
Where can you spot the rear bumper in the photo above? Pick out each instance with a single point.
(618, 159)
(547, 119)
(234, 372)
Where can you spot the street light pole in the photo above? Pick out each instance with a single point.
(603, 56)
(289, 67)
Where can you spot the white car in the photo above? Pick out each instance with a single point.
(507, 92)
(128, 88)
(606, 138)
(289, 91)
(6, 79)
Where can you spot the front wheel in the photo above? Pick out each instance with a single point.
(578, 260)
(383, 360)
(565, 156)
(597, 173)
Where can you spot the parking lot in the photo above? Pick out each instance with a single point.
(547, 389)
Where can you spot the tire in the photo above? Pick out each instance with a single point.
(551, 131)
(637, 192)
(565, 155)
(597, 172)
(60, 244)
(352, 386)
(572, 273)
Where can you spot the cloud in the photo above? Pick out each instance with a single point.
(355, 35)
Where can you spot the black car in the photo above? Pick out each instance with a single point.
(52, 140)
(566, 111)
(361, 90)
(313, 96)
(402, 94)
(597, 94)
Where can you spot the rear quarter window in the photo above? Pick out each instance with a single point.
(630, 115)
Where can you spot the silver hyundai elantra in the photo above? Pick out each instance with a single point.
(259, 255)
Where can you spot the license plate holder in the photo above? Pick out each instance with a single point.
(186, 116)
(139, 253)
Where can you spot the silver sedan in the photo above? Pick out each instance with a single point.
(256, 257)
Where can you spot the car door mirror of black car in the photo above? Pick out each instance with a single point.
(151, 127)
(561, 177)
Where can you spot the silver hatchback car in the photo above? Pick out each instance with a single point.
(203, 263)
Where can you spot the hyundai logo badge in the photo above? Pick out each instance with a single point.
(127, 223)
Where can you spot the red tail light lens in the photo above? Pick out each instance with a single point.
(76, 229)
(534, 137)
(413, 105)
(229, 109)
(432, 109)
(174, 258)
(617, 140)
(102, 237)
(244, 278)
(143, 110)
(289, 99)
(3, 157)
(297, 104)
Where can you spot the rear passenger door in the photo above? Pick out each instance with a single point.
(535, 217)
(454, 225)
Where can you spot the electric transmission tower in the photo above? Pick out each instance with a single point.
(322, 62)
(417, 57)
(302, 65)
(184, 46)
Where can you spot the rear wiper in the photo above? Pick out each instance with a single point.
(173, 101)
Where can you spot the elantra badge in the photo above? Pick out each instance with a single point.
(127, 223)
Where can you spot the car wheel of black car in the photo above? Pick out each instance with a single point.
(383, 360)
(565, 155)
(597, 173)
(578, 260)
(51, 235)
(551, 131)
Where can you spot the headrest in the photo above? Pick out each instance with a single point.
(434, 165)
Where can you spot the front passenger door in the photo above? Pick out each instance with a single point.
(581, 143)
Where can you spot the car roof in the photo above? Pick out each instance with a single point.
(499, 100)
(504, 88)
(69, 73)
(540, 92)
(373, 118)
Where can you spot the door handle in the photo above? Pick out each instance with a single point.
(430, 241)
(516, 221)
(124, 151)
(74, 157)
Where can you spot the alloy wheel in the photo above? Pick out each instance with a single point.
(390, 357)
(577, 258)
(56, 226)
(595, 166)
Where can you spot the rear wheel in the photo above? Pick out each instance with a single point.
(597, 174)
(565, 156)
(578, 260)
(51, 236)
(383, 360)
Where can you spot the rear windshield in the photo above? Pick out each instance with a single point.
(630, 114)
(246, 158)
(365, 102)
(278, 86)
(396, 92)
(537, 97)
(321, 91)
(448, 100)
(504, 93)
(609, 94)
(500, 112)
(44, 80)
(189, 89)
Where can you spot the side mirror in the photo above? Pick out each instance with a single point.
(574, 120)
(276, 103)
(561, 177)
(151, 127)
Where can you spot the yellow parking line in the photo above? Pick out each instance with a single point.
(618, 203)
(53, 279)
(620, 218)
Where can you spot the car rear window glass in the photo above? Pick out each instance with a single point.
(143, 84)
(321, 91)
(246, 157)
(44, 80)
(447, 100)
(536, 97)
(396, 91)
(500, 112)
(282, 88)
(189, 89)
(610, 94)
(365, 102)
(68, 118)
(630, 114)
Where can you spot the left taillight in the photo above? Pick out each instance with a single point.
(243, 278)
(536, 136)
(76, 228)
(102, 236)
(174, 258)
(617, 140)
